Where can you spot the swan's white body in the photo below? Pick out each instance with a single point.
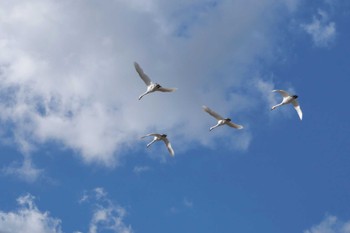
(287, 99)
(221, 120)
(158, 137)
(151, 87)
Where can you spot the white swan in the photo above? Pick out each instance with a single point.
(158, 137)
(221, 120)
(151, 87)
(287, 99)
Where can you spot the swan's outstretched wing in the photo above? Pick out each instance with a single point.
(168, 145)
(297, 108)
(212, 113)
(143, 76)
(151, 134)
(163, 89)
(233, 125)
(282, 92)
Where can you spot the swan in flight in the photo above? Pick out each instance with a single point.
(287, 99)
(158, 137)
(151, 87)
(221, 120)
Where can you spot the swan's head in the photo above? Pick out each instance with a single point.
(158, 86)
(295, 96)
(228, 119)
(163, 135)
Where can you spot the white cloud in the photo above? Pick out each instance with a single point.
(26, 171)
(84, 198)
(66, 72)
(110, 218)
(28, 218)
(106, 215)
(97, 193)
(100, 193)
(188, 203)
(141, 169)
(183, 206)
(330, 224)
(321, 29)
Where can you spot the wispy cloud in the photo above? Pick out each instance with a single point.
(330, 224)
(28, 218)
(71, 80)
(185, 205)
(141, 169)
(188, 203)
(25, 171)
(321, 29)
(106, 215)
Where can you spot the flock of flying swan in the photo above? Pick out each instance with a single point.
(152, 87)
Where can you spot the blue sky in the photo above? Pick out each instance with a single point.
(70, 120)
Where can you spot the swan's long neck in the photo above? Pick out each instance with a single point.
(277, 105)
(151, 142)
(211, 128)
(143, 94)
